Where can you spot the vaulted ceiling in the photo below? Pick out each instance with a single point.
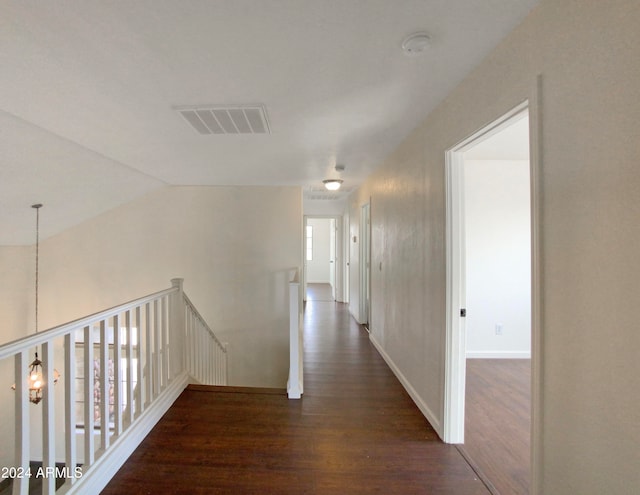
(89, 92)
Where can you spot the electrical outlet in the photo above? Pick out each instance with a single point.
(498, 329)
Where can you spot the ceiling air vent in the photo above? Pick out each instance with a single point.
(324, 197)
(226, 119)
(320, 193)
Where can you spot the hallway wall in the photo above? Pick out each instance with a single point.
(586, 53)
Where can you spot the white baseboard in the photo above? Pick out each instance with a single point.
(498, 355)
(424, 409)
(102, 470)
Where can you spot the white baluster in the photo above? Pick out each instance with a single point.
(188, 346)
(22, 438)
(129, 343)
(165, 344)
(117, 376)
(157, 371)
(148, 379)
(104, 386)
(140, 384)
(211, 361)
(89, 398)
(71, 458)
(48, 420)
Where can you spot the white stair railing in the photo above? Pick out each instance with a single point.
(127, 365)
(295, 385)
(207, 357)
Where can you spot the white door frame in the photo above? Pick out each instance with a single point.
(339, 263)
(365, 264)
(455, 357)
(455, 367)
(345, 247)
(333, 258)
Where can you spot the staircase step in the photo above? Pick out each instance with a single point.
(236, 390)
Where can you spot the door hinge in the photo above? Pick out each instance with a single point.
(463, 312)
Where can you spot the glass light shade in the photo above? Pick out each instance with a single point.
(36, 380)
(332, 184)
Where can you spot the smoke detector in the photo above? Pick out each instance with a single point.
(416, 44)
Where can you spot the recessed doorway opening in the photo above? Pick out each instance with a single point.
(489, 301)
(323, 262)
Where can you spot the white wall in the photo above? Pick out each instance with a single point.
(232, 245)
(318, 268)
(498, 258)
(322, 207)
(17, 291)
(586, 54)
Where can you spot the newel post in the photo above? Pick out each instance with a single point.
(294, 386)
(177, 333)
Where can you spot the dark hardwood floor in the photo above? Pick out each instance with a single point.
(319, 292)
(498, 421)
(355, 431)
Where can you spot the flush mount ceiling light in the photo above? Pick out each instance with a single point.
(332, 184)
(416, 44)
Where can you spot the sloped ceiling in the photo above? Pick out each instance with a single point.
(89, 91)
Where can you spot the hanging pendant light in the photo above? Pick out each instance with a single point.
(34, 374)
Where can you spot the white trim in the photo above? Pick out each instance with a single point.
(303, 275)
(535, 108)
(424, 408)
(339, 263)
(455, 359)
(104, 468)
(364, 314)
(455, 340)
(499, 355)
(537, 337)
(296, 373)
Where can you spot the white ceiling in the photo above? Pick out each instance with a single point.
(87, 119)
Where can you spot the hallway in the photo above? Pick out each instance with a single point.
(355, 431)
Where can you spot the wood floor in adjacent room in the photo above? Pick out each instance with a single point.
(497, 422)
(355, 431)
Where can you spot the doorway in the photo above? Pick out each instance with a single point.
(323, 270)
(365, 265)
(489, 289)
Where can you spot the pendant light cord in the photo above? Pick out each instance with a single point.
(37, 207)
(37, 260)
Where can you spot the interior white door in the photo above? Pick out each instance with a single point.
(332, 257)
(304, 257)
(365, 266)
